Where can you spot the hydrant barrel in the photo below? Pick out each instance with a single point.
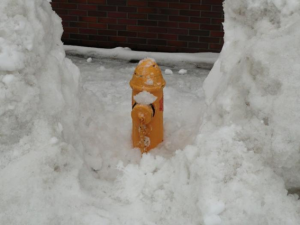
(147, 116)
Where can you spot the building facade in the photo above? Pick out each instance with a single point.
(165, 25)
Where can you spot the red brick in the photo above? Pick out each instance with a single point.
(65, 24)
(178, 31)
(88, 31)
(157, 42)
(69, 18)
(79, 36)
(215, 46)
(179, 6)
(147, 35)
(137, 28)
(137, 16)
(217, 8)
(107, 20)
(179, 18)
(88, 19)
(73, 30)
(64, 6)
(217, 21)
(89, 43)
(189, 25)
(216, 34)
(96, 1)
(187, 38)
(116, 27)
(65, 36)
(127, 21)
(77, 1)
(167, 49)
(177, 43)
(137, 40)
(117, 39)
(97, 13)
(158, 17)
(116, 2)
(212, 2)
(201, 7)
(189, 13)
(87, 7)
(191, 1)
(168, 36)
(211, 14)
(147, 23)
(98, 25)
(167, 24)
(127, 33)
(198, 45)
(209, 40)
(77, 12)
(107, 32)
(107, 8)
(210, 27)
(117, 14)
(127, 9)
(158, 4)
(78, 24)
(61, 11)
(200, 20)
(199, 32)
(157, 29)
(172, 12)
(147, 10)
(137, 3)
(98, 38)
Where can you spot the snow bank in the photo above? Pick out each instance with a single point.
(202, 60)
(235, 170)
(38, 111)
(253, 95)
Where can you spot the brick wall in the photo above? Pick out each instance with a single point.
(165, 25)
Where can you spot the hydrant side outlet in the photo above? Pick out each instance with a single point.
(147, 120)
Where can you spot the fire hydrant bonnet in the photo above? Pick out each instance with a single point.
(147, 76)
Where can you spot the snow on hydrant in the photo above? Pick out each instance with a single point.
(147, 85)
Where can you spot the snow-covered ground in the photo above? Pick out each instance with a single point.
(231, 149)
(106, 105)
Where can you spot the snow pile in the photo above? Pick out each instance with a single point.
(255, 84)
(235, 170)
(253, 93)
(145, 98)
(38, 111)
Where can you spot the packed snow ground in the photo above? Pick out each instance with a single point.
(65, 149)
(106, 105)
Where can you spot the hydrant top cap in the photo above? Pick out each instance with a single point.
(147, 76)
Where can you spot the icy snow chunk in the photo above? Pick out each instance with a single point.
(53, 141)
(182, 71)
(149, 81)
(150, 61)
(168, 72)
(144, 98)
(101, 68)
(8, 79)
(212, 220)
(89, 60)
(217, 208)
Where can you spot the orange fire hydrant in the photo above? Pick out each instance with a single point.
(147, 85)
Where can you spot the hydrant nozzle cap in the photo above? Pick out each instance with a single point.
(147, 76)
